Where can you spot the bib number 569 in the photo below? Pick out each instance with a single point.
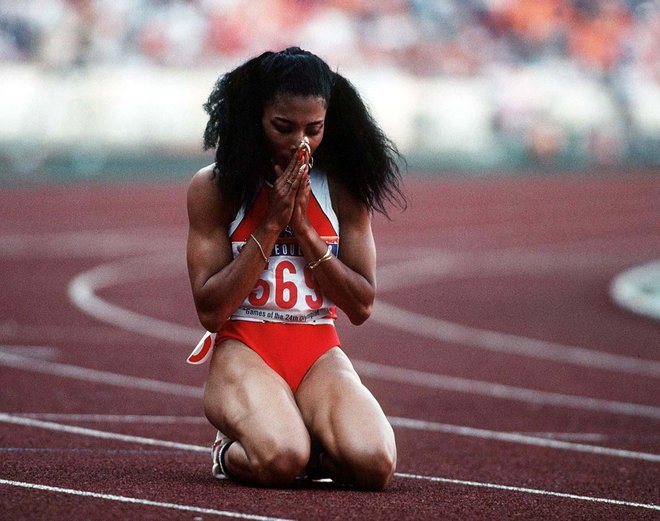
(286, 290)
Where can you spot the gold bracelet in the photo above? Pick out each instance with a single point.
(260, 248)
(326, 257)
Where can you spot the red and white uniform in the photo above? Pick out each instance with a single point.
(286, 291)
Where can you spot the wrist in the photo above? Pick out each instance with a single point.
(304, 231)
(323, 258)
(270, 228)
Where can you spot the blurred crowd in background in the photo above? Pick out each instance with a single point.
(425, 37)
(466, 83)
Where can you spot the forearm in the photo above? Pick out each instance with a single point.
(220, 295)
(352, 292)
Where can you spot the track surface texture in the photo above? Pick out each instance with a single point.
(516, 387)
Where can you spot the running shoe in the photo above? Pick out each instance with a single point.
(218, 450)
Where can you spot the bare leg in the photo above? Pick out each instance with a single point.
(344, 418)
(251, 404)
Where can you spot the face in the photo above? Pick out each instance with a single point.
(287, 119)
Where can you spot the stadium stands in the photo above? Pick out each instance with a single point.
(472, 83)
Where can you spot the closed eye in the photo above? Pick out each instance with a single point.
(314, 130)
(282, 130)
(284, 126)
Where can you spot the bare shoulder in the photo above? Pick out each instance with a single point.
(206, 202)
(203, 184)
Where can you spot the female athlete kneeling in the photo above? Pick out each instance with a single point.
(280, 234)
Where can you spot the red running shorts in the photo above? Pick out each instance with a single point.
(289, 349)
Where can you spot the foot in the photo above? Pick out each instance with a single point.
(222, 443)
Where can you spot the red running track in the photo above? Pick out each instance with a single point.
(517, 389)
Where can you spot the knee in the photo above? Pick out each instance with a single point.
(369, 466)
(374, 468)
(280, 462)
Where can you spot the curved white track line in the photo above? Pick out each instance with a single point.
(432, 264)
(83, 287)
(437, 329)
(638, 290)
(82, 292)
(139, 501)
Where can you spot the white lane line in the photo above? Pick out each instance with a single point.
(197, 448)
(408, 423)
(200, 510)
(114, 418)
(575, 436)
(367, 369)
(42, 352)
(437, 329)
(501, 391)
(521, 439)
(139, 501)
(525, 490)
(199, 420)
(93, 375)
(94, 433)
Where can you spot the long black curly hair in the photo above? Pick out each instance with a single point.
(354, 150)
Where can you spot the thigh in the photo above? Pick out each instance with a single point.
(345, 420)
(249, 402)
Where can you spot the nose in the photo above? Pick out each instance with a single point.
(298, 138)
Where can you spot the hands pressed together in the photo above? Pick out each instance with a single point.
(290, 194)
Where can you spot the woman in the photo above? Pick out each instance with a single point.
(299, 164)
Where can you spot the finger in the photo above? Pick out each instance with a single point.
(297, 177)
(304, 189)
(294, 163)
(301, 172)
(291, 180)
(304, 154)
(282, 182)
(281, 175)
(285, 178)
